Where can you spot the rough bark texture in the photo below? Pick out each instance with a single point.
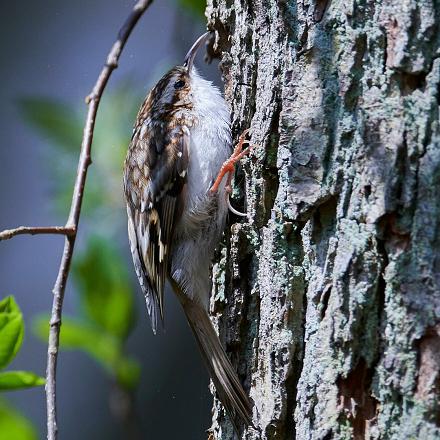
(328, 297)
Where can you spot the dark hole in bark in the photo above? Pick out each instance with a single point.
(328, 435)
(353, 92)
(320, 8)
(438, 93)
(367, 191)
(324, 300)
(303, 38)
(324, 220)
(409, 82)
(385, 58)
(291, 386)
(394, 232)
(356, 400)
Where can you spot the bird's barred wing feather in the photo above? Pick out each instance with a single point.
(155, 173)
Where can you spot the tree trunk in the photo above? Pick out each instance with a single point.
(328, 296)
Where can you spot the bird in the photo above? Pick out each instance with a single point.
(177, 205)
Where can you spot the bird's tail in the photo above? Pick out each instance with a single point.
(225, 378)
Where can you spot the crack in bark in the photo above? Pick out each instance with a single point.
(357, 403)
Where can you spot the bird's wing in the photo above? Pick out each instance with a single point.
(154, 176)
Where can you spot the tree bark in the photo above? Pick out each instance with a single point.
(328, 296)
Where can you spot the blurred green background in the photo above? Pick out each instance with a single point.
(115, 380)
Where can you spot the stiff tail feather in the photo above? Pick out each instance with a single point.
(225, 378)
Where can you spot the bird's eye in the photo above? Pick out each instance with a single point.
(179, 84)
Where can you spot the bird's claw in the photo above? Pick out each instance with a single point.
(229, 165)
(232, 209)
(228, 168)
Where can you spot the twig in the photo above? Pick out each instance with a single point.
(21, 230)
(75, 209)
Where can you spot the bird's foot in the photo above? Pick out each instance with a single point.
(228, 169)
(228, 166)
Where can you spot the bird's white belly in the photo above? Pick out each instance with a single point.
(208, 151)
(198, 230)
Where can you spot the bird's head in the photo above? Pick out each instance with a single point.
(174, 89)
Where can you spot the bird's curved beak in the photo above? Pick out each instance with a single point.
(189, 59)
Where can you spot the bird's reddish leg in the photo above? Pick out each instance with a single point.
(228, 166)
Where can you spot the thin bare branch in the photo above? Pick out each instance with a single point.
(84, 161)
(36, 230)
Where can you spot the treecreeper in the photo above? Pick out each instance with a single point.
(177, 204)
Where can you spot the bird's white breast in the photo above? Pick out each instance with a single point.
(210, 143)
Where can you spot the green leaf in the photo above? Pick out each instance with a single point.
(11, 330)
(77, 335)
(105, 349)
(13, 425)
(128, 373)
(104, 286)
(53, 119)
(197, 7)
(15, 380)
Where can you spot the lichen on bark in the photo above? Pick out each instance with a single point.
(328, 296)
